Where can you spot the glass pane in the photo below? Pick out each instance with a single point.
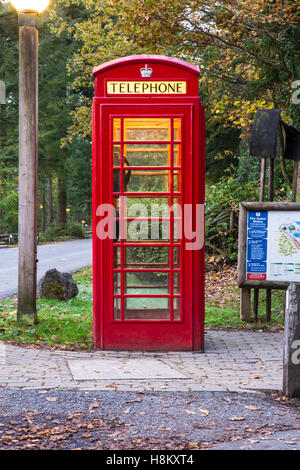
(117, 253)
(116, 129)
(146, 283)
(176, 283)
(176, 257)
(117, 182)
(176, 308)
(117, 155)
(147, 308)
(177, 229)
(176, 182)
(147, 257)
(141, 230)
(177, 129)
(146, 129)
(148, 181)
(117, 289)
(117, 309)
(147, 154)
(177, 155)
(151, 206)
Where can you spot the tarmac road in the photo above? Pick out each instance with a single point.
(64, 256)
(32, 419)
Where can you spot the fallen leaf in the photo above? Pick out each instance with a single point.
(205, 412)
(94, 404)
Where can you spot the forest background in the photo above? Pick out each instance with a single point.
(248, 54)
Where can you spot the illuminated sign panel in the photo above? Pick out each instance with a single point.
(146, 88)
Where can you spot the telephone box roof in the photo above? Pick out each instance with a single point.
(144, 58)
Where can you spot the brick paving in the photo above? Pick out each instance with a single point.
(233, 362)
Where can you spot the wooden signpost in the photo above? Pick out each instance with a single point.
(269, 251)
(267, 143)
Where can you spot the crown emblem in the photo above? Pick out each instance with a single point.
(146, 72)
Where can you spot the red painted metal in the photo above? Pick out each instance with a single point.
(183, 331)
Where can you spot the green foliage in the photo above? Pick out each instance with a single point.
(9, 212)
(56, 232)
(221, 210)
(70, 164)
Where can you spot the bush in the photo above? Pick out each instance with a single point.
(222, 211)
(9, 212)
(56, 232)
(221, 214)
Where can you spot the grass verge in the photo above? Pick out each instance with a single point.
(64, 324)
(68, 325)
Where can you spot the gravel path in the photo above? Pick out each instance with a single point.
(120, 420)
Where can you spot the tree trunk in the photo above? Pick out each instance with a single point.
(43, 221)
(62, 203)
(291, 356)
(50, 201)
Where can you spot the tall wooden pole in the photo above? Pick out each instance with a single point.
(261, 199)
(295, 181)
(270, 198)
(28, 164)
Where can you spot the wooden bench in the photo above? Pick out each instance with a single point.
(8, 239)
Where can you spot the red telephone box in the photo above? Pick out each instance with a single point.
(148, 191)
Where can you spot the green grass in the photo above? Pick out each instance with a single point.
(228, 315)
(69, 324)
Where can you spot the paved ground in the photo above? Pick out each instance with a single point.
(233, 361)
(226, 398)
(65, 256)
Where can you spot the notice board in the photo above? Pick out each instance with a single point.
(269, 244)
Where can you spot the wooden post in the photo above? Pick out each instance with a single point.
(255, 304)
(28, 147)
(271, 180)
(245, 304)
(261, 199)
(270, 198)
(245, 292)
(268, 304)
(295, 181)
(298, 186)
(291, 357)
(262, 179)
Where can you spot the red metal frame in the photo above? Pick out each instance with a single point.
(186, 333)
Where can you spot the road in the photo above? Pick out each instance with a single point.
(65, 420)
(64, 256)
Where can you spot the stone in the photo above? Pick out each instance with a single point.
(57, 285)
